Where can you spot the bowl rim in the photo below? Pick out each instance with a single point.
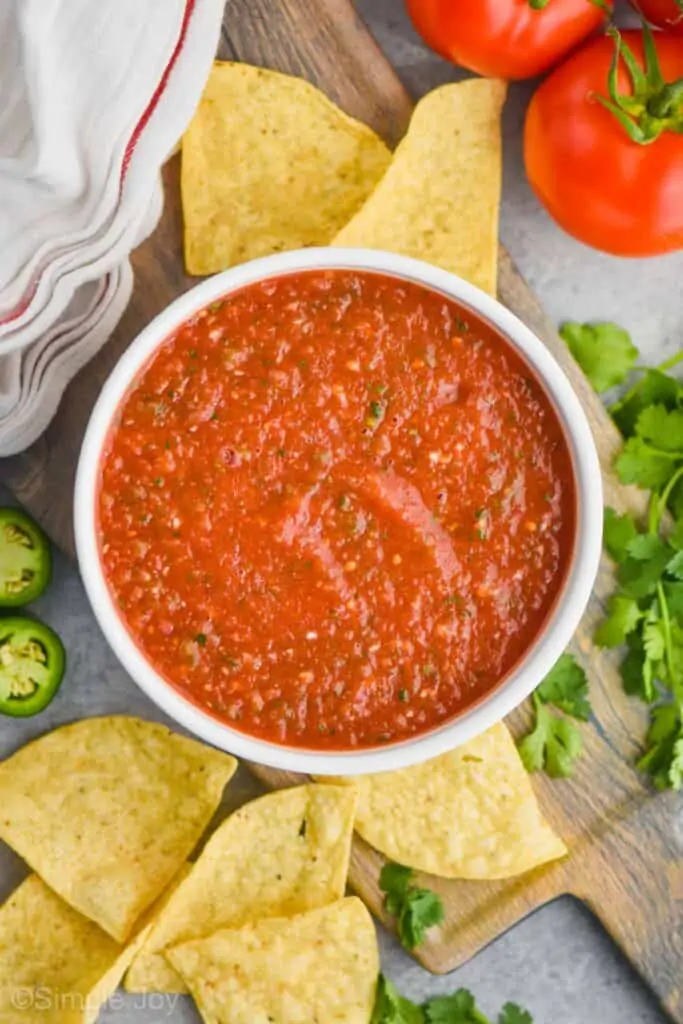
(560, 623)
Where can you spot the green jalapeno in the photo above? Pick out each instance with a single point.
(32, 663)
(25, 559)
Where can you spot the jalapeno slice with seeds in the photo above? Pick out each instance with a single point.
(25, 559)
(32, 663)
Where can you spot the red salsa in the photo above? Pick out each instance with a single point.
(335, 509)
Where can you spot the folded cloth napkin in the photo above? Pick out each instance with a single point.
(93, 98)
(33, 380)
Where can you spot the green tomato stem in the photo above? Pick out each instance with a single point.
(652, 106)
(668, 102)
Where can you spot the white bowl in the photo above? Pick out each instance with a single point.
(548, 645)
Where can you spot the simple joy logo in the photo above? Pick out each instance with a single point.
(43, 999)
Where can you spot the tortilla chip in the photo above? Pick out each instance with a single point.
(471, 813)
(440, 198)
(319, 966)
(107, 810)
(55, 966)
(282, 854)
(269, 164)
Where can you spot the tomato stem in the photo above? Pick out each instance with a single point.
(652, 69)
(653, 106)
(668, 102)
(538, 5)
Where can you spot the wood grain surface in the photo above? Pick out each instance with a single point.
(626, 842)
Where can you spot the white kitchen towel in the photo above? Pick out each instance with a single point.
(93, 98)
(33, 380)
(86, 324)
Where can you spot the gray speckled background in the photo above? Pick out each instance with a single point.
(558, 963)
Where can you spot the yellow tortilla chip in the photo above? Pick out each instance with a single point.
(55, 966)
(107, 810)
(282, 854)
(269, 164)
(440, 198)
(471, 813)
(319, 966)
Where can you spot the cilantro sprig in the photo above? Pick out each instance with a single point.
(555, 742)
(604, 352)
(458, 1008)
(646, 612)
(392, 1008)
(415, 909)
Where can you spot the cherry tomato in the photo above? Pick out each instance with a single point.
(662, 13)
(613, 178)
(505, 38)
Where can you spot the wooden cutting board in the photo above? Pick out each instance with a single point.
(626, 842)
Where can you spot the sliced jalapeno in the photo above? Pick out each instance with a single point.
(25, 559)
(32, 663)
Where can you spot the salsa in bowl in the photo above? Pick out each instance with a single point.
(338, 511)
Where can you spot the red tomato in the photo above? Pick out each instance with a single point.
(601, 186)
(504, 38)
(663, 13)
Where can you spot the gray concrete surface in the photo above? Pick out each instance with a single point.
(558, 963)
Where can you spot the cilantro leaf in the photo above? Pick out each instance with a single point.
(415, 909)
(460, 1008)
(676, 766)
(394, 880)
(604, 351)
(423, 910)
(674, 660)
(654, 387)
(643, 465)
(646, 546)
(622, 618)
(648, 557)
(675, 566)
(553, 744)
(663, 757)
(532, 747)
(653, 640)
(392, 1008)
(676, 536)
(647, 611)
(513, 1014)
(662, 427)
(676, 500)
(632, 671)
(618, 532)
(566, 687)
(634, 678)
(564, 745)
(673, 593)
